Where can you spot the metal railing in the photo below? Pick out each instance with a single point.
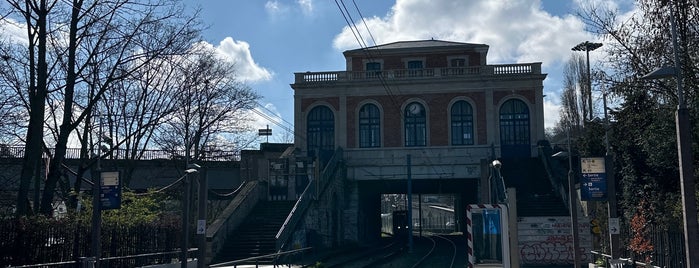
(313, 190)
(7, 151)
(256, 260)
(424, 73)
(619, 263)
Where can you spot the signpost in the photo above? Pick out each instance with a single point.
(265, 132)
(110, 190)
(594, 179)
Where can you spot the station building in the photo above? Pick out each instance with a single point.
(430, 112)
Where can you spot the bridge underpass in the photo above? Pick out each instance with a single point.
(435, 195)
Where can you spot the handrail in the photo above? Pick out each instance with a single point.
(627, 260)
(104, 259)
(546, 160)
(305, 199)
(14, 151)
(242, 261)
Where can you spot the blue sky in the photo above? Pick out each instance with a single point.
(269, 40)
(272, 39)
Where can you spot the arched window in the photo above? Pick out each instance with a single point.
(415, 125)
(369, 126)
(514, 129)
(320, 129)
(461, 123)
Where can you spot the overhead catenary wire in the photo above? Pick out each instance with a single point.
(368, 52)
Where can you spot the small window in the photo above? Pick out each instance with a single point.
(458, 62)
(415, 68)
(415, 64)
(373, 66)
(457, 66)
(373, 69)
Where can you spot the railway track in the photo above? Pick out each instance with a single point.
(428, 251)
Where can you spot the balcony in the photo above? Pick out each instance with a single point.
(426, 73)
(427, 162)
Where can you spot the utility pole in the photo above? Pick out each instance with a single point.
(611, 187)
(410, 205)
(684, 151)
(96, 205)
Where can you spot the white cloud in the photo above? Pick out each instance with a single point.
(277, 9)
(274, 7)
(306, 6)
(239, 53)
(13, 31)
(517, 31)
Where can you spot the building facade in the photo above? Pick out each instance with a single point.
(430, 112)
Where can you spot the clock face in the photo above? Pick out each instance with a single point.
(414, 108)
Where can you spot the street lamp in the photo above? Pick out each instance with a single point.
(588, 46)
(684, 151)
(185, 214)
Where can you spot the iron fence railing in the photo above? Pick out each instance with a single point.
(8, 151)
(667, 248)
(51, 241)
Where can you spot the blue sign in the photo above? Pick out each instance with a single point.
(110, 190)
(593, 183)
(593, 187)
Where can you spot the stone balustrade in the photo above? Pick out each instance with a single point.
(425, 73)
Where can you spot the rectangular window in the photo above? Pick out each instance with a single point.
(415, 68)
(457, 66)
(373, 69)
(457, 62)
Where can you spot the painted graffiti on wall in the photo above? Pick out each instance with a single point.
(549, 240)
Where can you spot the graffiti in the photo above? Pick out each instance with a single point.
(548, 241)
(550, 253)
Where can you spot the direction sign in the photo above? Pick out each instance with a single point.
(614, 225)
(593, 184)
(110, 190)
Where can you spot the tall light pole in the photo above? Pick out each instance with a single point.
(588, 46)
(614, 248)
(185, 216)
(684, 151)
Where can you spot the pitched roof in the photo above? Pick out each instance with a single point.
(418, 44)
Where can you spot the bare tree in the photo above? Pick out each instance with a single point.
(573, 104)
(212, 102)
(77, 51)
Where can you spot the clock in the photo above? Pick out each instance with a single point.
(414, 108)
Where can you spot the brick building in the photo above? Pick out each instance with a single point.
(437, 103)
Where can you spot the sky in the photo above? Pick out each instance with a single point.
(272, 39)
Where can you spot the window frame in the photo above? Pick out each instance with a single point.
(415, 125)
(461, 123)
(369, 125)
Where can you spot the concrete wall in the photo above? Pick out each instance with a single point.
(549, 240)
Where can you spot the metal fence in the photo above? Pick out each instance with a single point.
(7, 151)
(668, 248)
(26, 242)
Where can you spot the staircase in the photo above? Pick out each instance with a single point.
(255, 236)
(535, 194)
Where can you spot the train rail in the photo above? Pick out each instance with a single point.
(430, 250)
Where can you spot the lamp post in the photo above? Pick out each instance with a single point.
(588, 46)
(684, 151)
(185, 217)
(201, 220)
(614, 248)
